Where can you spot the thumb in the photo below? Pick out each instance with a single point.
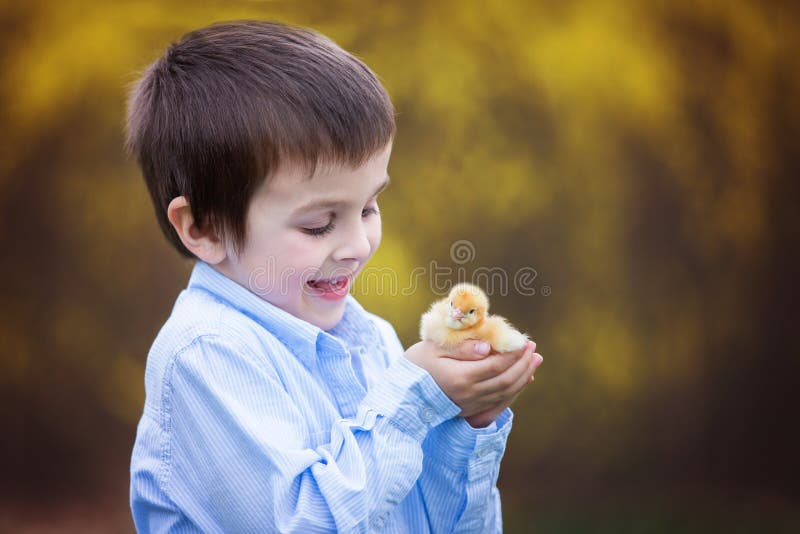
(472, 349)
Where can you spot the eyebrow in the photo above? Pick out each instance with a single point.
(326, 204)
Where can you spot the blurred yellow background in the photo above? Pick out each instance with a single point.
(638, 160)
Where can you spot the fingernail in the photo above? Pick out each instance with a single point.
(537, 360)
(482, 347)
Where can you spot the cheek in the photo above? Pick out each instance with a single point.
(300, 250)
(374, 235)
(288, 261)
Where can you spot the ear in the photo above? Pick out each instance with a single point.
(203, 243)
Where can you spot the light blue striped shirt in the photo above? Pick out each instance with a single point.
(257, 421)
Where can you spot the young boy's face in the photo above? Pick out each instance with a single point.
(306, 240)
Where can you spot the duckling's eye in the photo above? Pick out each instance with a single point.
(472, 311)
(451, 303)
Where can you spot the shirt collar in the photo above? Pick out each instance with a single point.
(300, 337)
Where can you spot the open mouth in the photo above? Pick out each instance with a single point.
(330, 287)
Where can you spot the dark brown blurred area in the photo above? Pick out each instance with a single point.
(641, 160)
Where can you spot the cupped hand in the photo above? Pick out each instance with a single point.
(478, 382)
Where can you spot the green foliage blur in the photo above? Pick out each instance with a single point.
(639, 158)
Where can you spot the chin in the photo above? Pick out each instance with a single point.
(327, 325)
(329, 320)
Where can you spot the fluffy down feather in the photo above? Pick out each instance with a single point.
(463, 315)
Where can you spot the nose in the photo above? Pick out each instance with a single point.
(355, 244)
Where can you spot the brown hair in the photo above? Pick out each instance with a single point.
(229, 103)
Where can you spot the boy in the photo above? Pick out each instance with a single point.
(275, 403)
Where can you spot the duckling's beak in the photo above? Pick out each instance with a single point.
(456, 314)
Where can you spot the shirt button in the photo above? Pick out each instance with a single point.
(428, 414)
(483, 452)
(377, 522)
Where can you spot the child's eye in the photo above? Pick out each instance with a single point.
(366, 212)
(319, 231)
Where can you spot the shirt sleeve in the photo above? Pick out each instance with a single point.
(461, 466)
(239, 457)
(459, 476)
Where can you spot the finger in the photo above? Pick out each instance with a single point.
(499, 362)
(519, 370)
(525, 378)
(528, 377)
(471, 349)
(492, 365)
(487, 416)
(528, 343)
(537, 361)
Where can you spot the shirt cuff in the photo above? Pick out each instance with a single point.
(458, 445)
(410, 398)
